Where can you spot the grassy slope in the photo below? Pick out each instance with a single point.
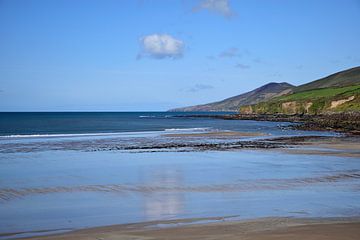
(344, 78)
(316, 96)
(321, 93)
(320, 100)
(260, 94)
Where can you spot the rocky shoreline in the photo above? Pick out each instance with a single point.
(340, 122)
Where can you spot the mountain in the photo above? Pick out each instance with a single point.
(260, 94)
(344, 78)
(339, 92)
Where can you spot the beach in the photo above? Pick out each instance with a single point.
(219, 179)
(179, 120)
(261, 229)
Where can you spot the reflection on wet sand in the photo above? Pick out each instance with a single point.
(164, 192)
(158, 205)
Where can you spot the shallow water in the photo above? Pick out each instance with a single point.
(75, 189)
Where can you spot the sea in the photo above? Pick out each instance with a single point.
(65, 171)
(45, 124)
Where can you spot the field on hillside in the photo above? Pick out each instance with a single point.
(321, 93)
(342, 99)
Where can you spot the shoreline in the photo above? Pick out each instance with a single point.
(348, 123)
(344, 144)
(222, 228)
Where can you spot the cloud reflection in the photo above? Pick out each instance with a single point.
(158, 205)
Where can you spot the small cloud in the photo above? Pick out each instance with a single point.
(299, 67)
(199, 87)
(161, 46)
(221, 7)
(210, 57)
(275, 75)
(242, 66)
(258, 60)
(230, 53)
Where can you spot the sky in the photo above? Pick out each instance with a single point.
(153, 55)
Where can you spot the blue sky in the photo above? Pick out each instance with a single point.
(154, 55)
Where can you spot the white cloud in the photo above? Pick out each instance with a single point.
(161, 46)
(221, 7)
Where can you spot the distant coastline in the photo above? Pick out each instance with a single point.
(348, 122)
(336, 93)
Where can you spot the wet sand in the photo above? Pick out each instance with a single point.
(219, 228)
(222, 134)
(260, 229)
(329, 146)
(255, 185)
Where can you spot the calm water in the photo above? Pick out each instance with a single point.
(51, 179)
(83, 123)
(98, 122)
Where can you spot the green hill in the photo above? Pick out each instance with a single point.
(339, 92)
(325, 100)
(348, 77)
(260, 94)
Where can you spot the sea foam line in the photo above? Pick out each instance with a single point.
(98, 134)
(59, 135)
(188, 129)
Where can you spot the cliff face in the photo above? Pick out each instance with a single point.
(260, 94)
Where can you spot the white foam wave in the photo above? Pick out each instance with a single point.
(188, 129)
(59, 135)
(66, 135)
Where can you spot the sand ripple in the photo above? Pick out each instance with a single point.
(7, 194)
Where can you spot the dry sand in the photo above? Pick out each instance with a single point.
(261, 229)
